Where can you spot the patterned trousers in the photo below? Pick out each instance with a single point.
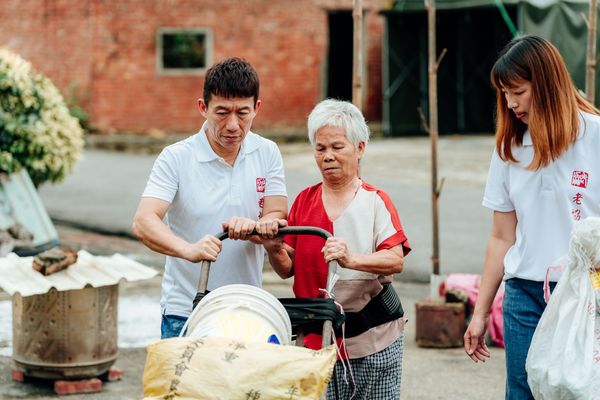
(376, 377)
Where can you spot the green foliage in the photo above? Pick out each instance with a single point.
(37, 131)
(72, 100)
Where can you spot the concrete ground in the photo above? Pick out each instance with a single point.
(428, 374)
(102, 194)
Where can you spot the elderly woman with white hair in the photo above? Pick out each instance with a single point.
(369, 245)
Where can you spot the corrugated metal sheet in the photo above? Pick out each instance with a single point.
(18, 276)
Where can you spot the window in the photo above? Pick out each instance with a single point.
(183, 51)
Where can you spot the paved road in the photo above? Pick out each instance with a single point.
(103, 192)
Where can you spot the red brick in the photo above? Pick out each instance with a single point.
(83, 386)
(115, 374)
(17, 376)
(107, 49)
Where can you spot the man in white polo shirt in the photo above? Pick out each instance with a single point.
(224, 177)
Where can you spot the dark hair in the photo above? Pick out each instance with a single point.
(555, 101)
(232, 77)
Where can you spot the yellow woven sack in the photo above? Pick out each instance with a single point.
(223, 368)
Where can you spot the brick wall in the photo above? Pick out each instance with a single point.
(105, 50)
(55, 36)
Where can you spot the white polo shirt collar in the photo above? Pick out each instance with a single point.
(205, 153)
(527, 138)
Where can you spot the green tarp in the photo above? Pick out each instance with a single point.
(561, 22)
(416, 5)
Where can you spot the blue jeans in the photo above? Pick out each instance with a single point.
(522, 309)
(171, 326)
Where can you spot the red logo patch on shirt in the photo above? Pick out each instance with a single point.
(579, 179)
(261, 183)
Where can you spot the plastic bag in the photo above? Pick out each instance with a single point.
(564, 357)
(223, 368)
(469, 284)
(553, 274)
(495, 325)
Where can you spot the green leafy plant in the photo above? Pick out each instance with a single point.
(37, 132)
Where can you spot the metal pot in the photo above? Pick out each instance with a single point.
(69, 334)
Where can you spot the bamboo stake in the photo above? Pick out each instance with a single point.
(590, 76)
(357, 75)
(433, 65)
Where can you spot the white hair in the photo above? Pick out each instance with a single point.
(338, 114)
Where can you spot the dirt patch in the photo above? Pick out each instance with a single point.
(131, 361)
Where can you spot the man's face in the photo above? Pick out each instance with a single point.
(228, 121)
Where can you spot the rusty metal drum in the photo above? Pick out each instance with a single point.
(68, 334)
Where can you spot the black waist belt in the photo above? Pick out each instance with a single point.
(385, 307)
(310, 313)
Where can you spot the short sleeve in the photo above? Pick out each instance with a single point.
(275, 185)
(496, 195)
(388, 228)
(164, 177)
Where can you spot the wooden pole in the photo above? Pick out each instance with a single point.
(357, 75)
(590, 76)
(433, 64)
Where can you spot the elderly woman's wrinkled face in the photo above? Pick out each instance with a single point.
(336, 156)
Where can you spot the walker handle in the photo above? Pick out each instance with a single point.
(288, 230)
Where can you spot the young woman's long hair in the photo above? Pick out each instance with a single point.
(555, 101)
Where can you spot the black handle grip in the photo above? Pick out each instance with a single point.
(199, 296)
(290, 230)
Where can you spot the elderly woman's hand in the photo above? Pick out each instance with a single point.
(239, 228)
(336, 249)
(268, 229)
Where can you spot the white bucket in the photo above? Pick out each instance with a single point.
(241, 312)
